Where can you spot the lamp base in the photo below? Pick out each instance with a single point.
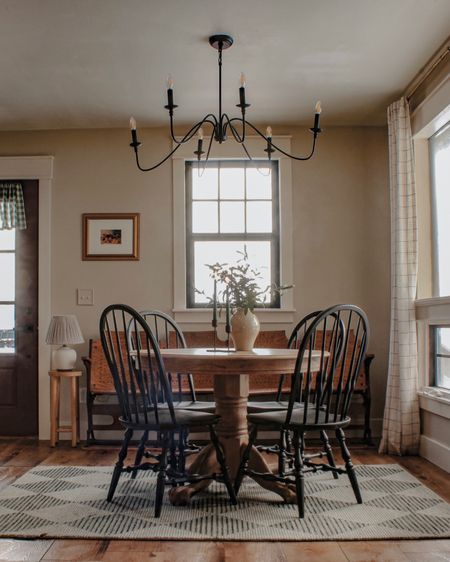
(64, 359)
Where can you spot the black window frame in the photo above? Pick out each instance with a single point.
(273, 237)
(435, 354)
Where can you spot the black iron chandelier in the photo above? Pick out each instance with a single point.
(222, 125)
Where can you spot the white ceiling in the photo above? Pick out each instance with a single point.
(92, 63)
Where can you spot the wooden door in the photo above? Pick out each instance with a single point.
(18, 322)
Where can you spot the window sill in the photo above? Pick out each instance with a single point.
(203, 316)
(438, 404)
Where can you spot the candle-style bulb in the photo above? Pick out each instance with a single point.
(200, 134)
(132, 123)
(318, 108)
(269, 132)
(170, 82)
(242, 80)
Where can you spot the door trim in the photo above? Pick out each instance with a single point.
(39, 168)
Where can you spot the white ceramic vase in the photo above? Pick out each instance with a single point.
(244, 329)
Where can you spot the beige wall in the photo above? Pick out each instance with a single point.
(341, 224)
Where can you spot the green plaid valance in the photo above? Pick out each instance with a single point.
(12, 208)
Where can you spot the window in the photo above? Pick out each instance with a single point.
(441, 355)
(231, 207)
(440, 182)
(7, 290)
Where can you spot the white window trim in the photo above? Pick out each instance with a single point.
(430, 312)
(231, 150)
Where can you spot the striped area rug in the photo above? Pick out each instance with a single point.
(69, 501)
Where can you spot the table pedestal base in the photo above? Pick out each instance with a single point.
(231, 394)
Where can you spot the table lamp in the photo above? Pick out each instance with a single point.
(64, 331)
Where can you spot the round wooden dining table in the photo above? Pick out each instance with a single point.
(231, 371)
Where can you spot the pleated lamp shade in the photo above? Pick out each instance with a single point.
(64, 331)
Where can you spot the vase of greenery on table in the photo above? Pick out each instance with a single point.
(242, 293)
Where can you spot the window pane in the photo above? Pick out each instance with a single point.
(7, 239)
(232, 216)
(7, 277)
(440, 152)
(259, 183)
(259, 216)
(7, 335)
(232, 183)
(226, 252)
(206, 186)
(442, 357)
(204, 217)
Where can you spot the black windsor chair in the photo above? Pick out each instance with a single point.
(169, 335)
(145, 398)
(284, 447)
(324, 394)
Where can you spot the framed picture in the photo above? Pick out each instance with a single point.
(111, 236)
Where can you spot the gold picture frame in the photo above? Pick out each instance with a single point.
(110, 236)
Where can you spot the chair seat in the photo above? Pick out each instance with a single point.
(277, 420)
(184, 418)
(269, 406)
(197, 406)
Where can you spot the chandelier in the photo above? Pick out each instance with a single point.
(222, 126)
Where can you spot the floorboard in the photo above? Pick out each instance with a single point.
(19, 455)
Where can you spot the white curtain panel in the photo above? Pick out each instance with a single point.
(401, 425)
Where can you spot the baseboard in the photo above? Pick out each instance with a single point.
(435, 452)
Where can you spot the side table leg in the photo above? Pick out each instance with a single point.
(74, 410)
(54, 409)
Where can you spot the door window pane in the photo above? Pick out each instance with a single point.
(442, 356)
(226, 252)
(204, 217)
(7, 276)
(7, 239)
(7, 333)
(232, 216)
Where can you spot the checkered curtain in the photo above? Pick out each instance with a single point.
(12, 208)
(401, 429)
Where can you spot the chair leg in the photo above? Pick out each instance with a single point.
(139, 453)
(161, 478)
(223, 465)
(328, 452)
(282, 453)
(367, 430)
(244, 460)
(119, 464)
(348, 464)
(299, 476)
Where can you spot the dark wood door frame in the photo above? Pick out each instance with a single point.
(39, 168)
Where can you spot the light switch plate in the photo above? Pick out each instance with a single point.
(85, 297)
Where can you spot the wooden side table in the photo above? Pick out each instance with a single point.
(55, 389)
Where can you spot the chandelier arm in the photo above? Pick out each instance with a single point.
(156, 165)
(275, 147)
(239, 139)
(194, 129)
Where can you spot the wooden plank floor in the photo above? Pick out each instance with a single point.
(19, 455)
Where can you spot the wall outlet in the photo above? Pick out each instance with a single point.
(85, 297)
